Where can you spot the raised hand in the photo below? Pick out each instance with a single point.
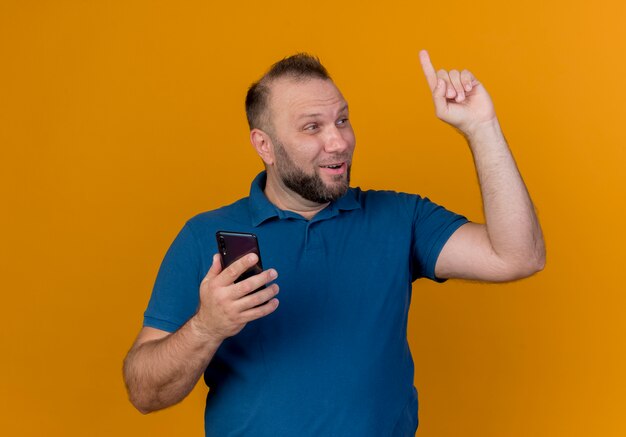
(460, 99)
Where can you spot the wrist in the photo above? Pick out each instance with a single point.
(483, 131)
(485, 135)
(200, 331)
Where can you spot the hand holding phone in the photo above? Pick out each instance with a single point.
(233, 246)
(226, 306)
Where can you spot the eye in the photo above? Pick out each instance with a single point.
(311, 127)
(342, 121)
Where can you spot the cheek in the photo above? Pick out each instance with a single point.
(308, 152)
(350, 138)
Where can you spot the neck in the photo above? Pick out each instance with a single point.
(285, 199)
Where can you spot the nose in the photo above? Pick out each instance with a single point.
(339, 139)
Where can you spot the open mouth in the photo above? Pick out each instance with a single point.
(335, 169)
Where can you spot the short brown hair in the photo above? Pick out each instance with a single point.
(300, 66)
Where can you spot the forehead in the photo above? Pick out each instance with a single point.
(291, 98)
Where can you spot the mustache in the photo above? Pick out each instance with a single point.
(335, 159)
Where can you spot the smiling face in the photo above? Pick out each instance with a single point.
(311, 186)
(311, 140)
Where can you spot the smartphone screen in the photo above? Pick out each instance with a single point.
(234, 245)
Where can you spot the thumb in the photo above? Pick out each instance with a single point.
(439, 96)
(216, 267)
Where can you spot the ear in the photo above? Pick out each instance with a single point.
(262, 143)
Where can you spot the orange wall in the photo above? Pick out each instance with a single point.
(119, 120)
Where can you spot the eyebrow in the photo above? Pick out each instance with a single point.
(317, 114)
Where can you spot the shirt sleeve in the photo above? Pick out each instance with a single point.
(432, 227)
(175, 296)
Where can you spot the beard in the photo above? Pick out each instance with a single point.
(310, 186)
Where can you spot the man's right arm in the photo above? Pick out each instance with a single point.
(162, 368)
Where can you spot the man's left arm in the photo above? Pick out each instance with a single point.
(510, 244)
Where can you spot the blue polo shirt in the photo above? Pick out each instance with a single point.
(333, 359)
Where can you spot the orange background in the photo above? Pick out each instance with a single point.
(119, 120)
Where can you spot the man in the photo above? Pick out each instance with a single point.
(333, 359)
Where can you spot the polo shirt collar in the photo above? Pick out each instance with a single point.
(261, 209)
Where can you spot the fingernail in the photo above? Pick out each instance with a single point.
(468, 87)
(252, 257)
(273, 274)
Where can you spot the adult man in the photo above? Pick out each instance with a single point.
(333, 359)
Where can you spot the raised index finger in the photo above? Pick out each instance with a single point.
(429, 70)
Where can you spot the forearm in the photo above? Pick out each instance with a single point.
(160, 373)
(512, 225)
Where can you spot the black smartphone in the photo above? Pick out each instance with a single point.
(234, 245)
